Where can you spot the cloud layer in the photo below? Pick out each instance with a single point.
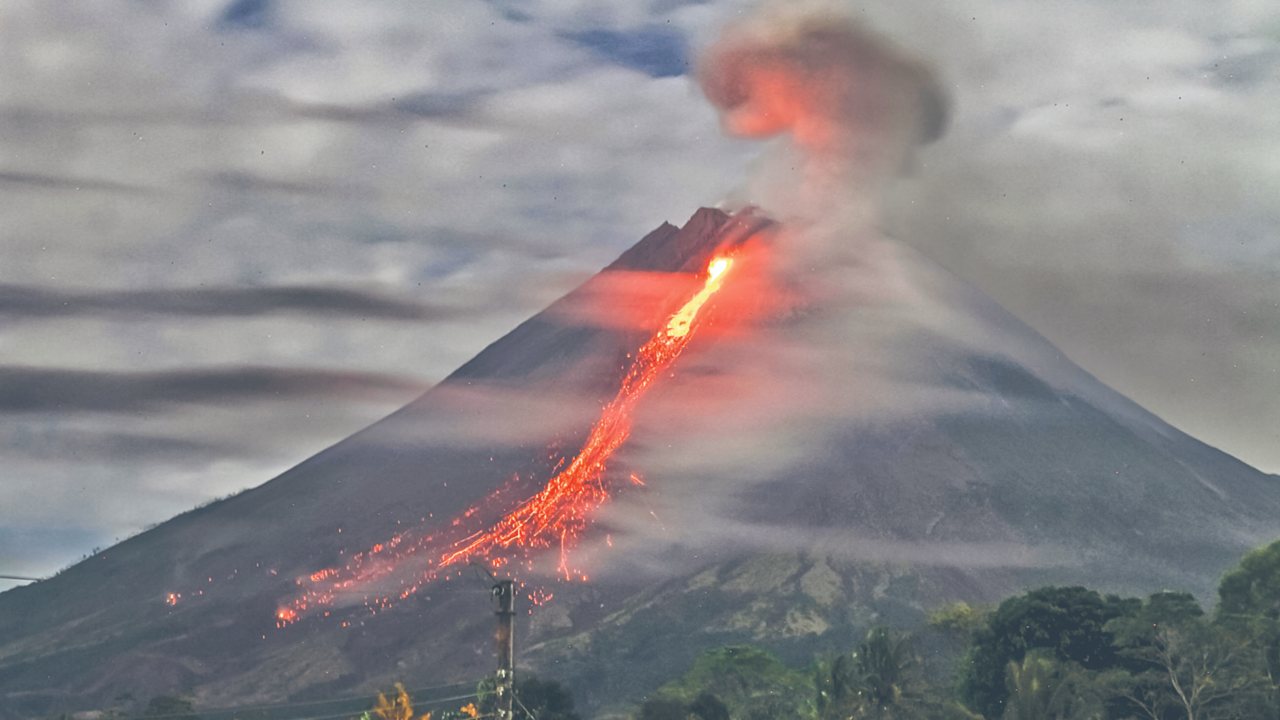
(22, 302)
(24, 389)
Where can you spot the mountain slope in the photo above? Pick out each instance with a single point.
(859, 460)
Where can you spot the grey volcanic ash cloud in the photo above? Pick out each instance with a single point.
(821, 77)
(853, 104)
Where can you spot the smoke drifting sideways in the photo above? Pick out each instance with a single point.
(791, 432)
(775, 432)
(854, 105)
(826, 333)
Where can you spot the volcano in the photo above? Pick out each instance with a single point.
(857, 442)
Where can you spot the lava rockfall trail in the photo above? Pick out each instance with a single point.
(555, 516)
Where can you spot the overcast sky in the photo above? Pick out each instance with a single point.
(235, 232)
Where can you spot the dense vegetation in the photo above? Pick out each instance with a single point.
(1054, 653)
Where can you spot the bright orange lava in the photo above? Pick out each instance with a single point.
(557, 514)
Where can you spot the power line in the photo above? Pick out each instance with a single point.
(452, 699)
(331, 701)
(353, 713)
(524, 707)
(347, 714)
(279, 706)
(18, 577)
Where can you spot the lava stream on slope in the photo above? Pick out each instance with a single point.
(557, 515)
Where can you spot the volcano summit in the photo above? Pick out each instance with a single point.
(841, 442)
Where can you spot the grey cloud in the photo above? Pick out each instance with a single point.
(246, 14)
(26, 301)
(38, 551)
(29, 389)
(437, 105)
(508, 9)
(1196, 347)
(248, 182)
(1251, 66)
(43, 181)
(244, 108)
(413, 107)
(398, 150)
(657, 51)
(72, 445)
(1124, 209)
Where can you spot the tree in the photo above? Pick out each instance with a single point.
(534, 698)
(1187, 667)
(1252, 588)
(708, 707)
(876, 680)
(1068, 622)
(543, 700)
(882, 663)
(1041, 688)
(397, 707)
(1249, 601)
(172, 708)
(837, 686)
(750, 682)
(663, 708)
(958, 620)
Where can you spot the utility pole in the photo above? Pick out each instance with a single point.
(505, 596)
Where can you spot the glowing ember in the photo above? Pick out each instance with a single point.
(556, 515)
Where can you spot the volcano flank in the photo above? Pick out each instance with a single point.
(842, 443)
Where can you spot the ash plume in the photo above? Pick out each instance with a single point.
(845, 343)
(854, 105)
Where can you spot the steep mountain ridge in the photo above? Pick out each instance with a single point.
(988, 462)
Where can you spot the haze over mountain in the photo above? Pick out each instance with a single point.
(845, 442)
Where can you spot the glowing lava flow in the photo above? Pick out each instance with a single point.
(556, 514)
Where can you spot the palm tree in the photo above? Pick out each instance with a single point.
(837, 690)
(1041, 688)
(883, 662)
(872, 682)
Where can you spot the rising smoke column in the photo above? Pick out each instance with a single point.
(853, 105)
(833, 345)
